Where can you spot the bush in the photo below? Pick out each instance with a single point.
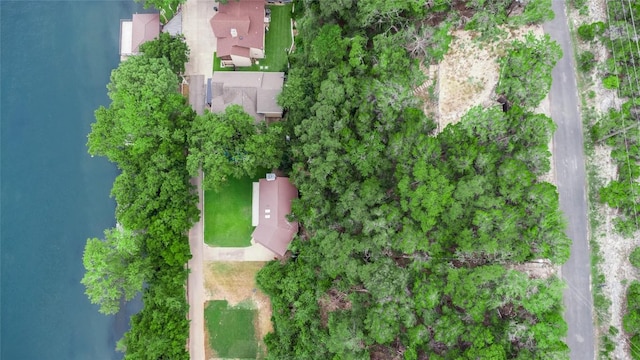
(634, 258)
(611, 82)
(586, 61)
(588, 32)
(578, 4)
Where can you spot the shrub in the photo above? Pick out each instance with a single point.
(588, 32)
(611, 82)
(578, 4)
(586, 61)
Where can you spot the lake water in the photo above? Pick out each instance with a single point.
(56, 58)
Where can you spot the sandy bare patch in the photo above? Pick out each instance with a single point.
(467, 77)
(536, 269)
(235, 282)
(469, 73)
(614, 251)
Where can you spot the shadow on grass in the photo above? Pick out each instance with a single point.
(227, 213)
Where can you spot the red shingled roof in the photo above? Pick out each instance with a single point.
(146, 27)
(274, 231)
(247, 18)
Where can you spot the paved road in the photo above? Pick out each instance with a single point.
(570, 175)
(195, 284)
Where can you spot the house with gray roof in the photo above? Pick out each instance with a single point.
(257, 92)
(174, 26)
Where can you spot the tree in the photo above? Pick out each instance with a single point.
(161, 329)
(329, 47)
(525, 75)
(231, 144)
(145, 114)
(173, 48)
(116, 269)
(404, 234)
(161, 5)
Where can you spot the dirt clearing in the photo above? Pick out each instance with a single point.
(467, 76)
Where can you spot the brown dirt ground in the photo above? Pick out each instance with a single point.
(235, 282)
(467, 76)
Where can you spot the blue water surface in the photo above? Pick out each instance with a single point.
(55, 61)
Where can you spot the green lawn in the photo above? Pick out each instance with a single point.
(227, 214)
(277, 41)
(231, 330)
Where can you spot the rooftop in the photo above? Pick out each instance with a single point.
(256, 92)
(274, 231)
(239, 24)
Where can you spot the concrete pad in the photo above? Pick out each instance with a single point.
(196, 93)
(255, 252)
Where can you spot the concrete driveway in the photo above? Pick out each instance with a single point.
(199, 36)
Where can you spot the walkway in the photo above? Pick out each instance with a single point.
(570, 175)
(195, 282)
(255, 252)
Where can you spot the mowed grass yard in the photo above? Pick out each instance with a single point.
(277, 41)
(231, 330)
(227, 214)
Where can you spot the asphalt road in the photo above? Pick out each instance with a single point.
(568, 153)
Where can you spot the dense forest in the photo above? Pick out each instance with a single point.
(409, 237)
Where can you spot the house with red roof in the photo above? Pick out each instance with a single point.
(239, 27)
(135, 32)
(271, 205)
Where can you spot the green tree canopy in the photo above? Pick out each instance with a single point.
(232, 144)
(525, 74)
(116, 269)
(173, 48)
(146, 112)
